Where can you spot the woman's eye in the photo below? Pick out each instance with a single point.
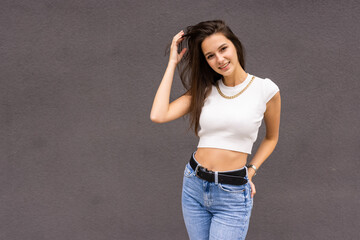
(209, 56)
(223, 48)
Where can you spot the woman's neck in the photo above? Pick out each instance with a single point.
(237, 77)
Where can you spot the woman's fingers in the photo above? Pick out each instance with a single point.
(179, 40)
(174, 55)
(179, 34)
(182, 53)
(253, 190)
(178, 37)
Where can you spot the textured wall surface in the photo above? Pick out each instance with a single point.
(81, 160)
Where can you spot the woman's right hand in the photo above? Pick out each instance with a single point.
(175, 57)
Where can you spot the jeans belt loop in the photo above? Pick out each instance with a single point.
(216, 177)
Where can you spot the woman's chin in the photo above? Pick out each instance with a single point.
(226, 73)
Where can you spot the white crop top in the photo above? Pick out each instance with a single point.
(233, 124)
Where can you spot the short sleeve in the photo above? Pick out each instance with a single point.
(269, 89)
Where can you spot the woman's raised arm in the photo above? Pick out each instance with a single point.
(163, 111)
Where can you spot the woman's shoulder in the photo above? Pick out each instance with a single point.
(265, 82)
(266, 86)
(269, 88)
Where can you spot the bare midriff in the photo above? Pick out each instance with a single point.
(217, 159)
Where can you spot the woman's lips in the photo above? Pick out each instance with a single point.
(224, 67)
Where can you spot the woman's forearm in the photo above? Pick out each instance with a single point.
(160, 105)
(266, 147)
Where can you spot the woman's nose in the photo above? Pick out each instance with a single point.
(219, 58)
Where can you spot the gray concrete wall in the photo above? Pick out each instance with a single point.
(81, 160)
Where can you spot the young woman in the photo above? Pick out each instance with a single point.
(228, 105)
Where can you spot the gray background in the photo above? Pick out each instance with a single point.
(80, 158)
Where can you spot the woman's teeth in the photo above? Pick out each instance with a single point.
(224, 66)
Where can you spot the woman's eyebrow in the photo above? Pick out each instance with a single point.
(218, 48)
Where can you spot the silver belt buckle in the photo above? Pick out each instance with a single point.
(196, 170)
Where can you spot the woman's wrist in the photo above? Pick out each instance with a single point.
(251, 173)
(172, 63)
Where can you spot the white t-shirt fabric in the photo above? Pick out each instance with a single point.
(233, 124)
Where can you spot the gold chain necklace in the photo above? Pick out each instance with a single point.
(236, 95)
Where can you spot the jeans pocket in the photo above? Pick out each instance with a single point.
(232, 188)
(189, 172)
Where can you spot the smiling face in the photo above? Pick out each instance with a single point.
(220, 53)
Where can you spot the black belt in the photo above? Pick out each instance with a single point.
(233, 177)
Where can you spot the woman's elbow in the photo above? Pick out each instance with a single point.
(274, 139)
(156, 119)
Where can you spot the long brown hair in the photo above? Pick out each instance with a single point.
(195, 73)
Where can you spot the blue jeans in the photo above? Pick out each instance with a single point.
(215, 210)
